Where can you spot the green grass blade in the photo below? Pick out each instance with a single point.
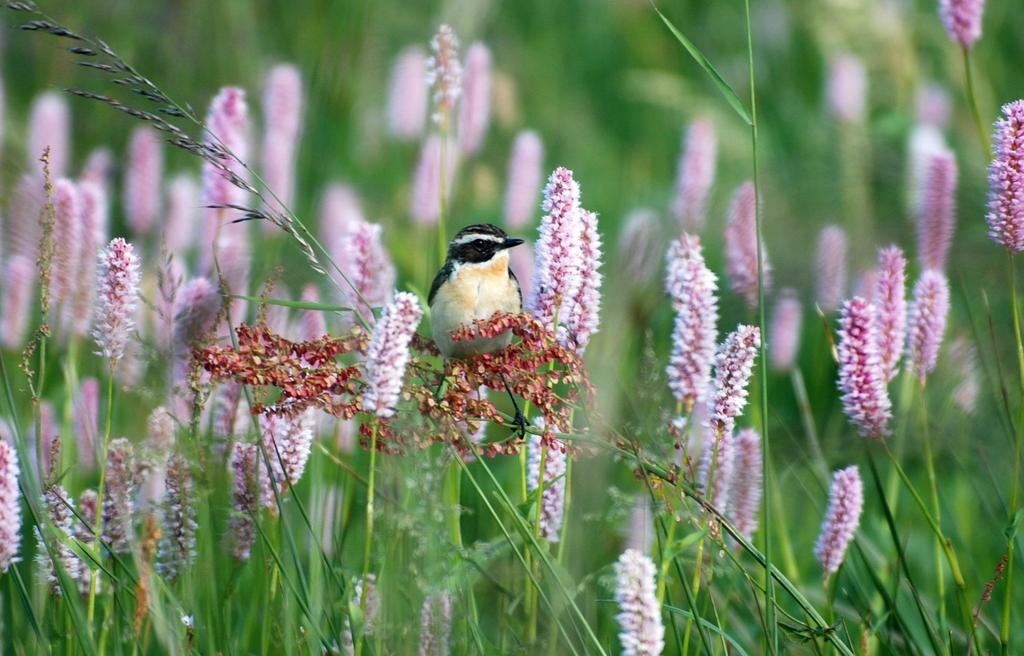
(709, 68)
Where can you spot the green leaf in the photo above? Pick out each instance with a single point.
(1011, 530)
(301, 305)
(723, 86)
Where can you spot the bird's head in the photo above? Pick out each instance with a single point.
(479, 243)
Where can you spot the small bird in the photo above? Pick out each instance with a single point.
(474, 283)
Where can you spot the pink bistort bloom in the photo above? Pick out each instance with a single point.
(936, 213)
(1006, 179)
(741, 246)
(831, 279)
(10, 506)
(861, 373)
(282, 127)
(926, 322)
(558, 251)
(475, 109)
(117, 297)
(49, 126)
(388, 354)
(692, 287)
(845, 503)
(143, 177)
(552, 504)
(696, 175)
(407, 95)
(784, 336)
(525, 171)
(444, 72)
(583, 313)
(890, 299)
(847, 88)
(747, 482)
(642, 632)
(962, 20)
(734, 363)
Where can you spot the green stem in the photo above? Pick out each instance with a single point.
(442, 233)
(101, 462)
(769, 591)
(531, 627)
(368, 545)
(940, 575)
(1007, 618)
(972, 98)
(807, 418)
(947, 548)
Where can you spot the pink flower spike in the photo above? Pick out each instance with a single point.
(247, 492)
(93, 233)
(67, 242)
(97, 168)
(59, 508)
(741, 246)
(558, 251)
(926, 323)
(143, 175)
(784, 343)
(964, 356)
(117, 296)
(10, 506)
(932, 106)
(745, 495)
(177, 547)
(87, 422)
(847, 88)
(639, 245)
(444, 73)
(340, 209)
(583, 313)
(49, 126)
(475, 110)
(696, 175)
(228, 124)
(436, 624)
(23, 227)
(525, 168)
(692, 287)
(861, 373)
(407, 96)
(926, 142)
(282, 127)
(734, 363)
(287, 440)
(388, 354)
(1006, 179)
(521, 263)
(831, 279)
(198, 305)
(117, 501)
(312, 323)
(936, 217)
(182, 214)
(845, 504)
(962, 20)
(552, 505)
(717, 471)
(642, 632)
(890, 295)
(425, 201)
(368, 267)
(19, 287)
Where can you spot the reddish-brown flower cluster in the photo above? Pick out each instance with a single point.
(537, 369)
(540, 372)
(306, 374)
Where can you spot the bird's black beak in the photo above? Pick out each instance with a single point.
(511, 242)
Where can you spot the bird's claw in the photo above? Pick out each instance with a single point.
(519, 423)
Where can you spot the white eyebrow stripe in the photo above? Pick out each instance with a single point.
(473, 236)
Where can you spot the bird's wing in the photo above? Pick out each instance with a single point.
(519, 288)
(442, 275)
